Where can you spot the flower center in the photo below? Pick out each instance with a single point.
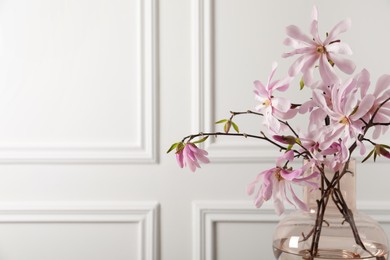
(344, 121)
(277, 174)
(321, 49)
(267, 102)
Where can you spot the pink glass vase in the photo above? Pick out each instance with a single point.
(293, 240)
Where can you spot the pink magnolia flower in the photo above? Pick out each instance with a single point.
(189, 156)
(345, 111)
(277, 183)
(273, 107)
(313, 49)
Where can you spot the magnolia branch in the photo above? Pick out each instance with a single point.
(329, 188)
(286, 123)
(190, 137)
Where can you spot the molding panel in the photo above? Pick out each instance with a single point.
(143, 150)
(144, 214)
(206, 214)
(203, 94)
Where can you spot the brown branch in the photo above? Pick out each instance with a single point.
(190, 137)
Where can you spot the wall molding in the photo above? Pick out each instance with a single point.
(203, 84)
(207, 213)
(145, 150)
(144, 214)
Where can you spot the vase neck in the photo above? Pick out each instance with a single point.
(347, 186)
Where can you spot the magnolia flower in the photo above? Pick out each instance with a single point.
(344, 112)
(189, 155)
(273, 107)
(313, 49)
(277, 183)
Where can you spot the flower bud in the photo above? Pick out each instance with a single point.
(285, 139)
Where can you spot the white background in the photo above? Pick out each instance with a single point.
(93, 93)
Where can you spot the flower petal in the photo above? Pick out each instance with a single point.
(339, 48)
(271, 122)
(382, 84)
(274, 67)
(364, 106)
(260, 89)
(363, 82)
(282, 85)
(259, 202)
(349, 104)
(341, 27)
(278, 203)
(287, 156)
(294, 43)
(314, 32)
(291, 175)
(314, 13)
(298, 202)
(295, 33)
(281, 104)
(345, 65)
(180, 159)
(327, 72)
(319, 99)
(310, 50)
(299, 63)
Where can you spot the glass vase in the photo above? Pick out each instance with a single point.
(294, 234)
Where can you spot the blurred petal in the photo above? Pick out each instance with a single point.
(364, 106)
(298, 202)
(294, 43)
(362, 147)
(291, 175)
(350, 105)
(314, 31)
(377, 132)
(179, 159)
(345, 65)
(251, 188)
(319, 98)
(272, 123)
(298, 64)
(286, 115)
(279, 207)
(339, 48)
(382, 84)
(341, 27)
(281, 104)
(274, 67)
(314, 175)
(326, 71)
(259, 202)
(314, 13)
(268, 189)
(282, 85)
(288, 156)
(363, 81)
(299, 51)
(295, 33)
(260, 88)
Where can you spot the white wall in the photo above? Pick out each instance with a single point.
(92, 94)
